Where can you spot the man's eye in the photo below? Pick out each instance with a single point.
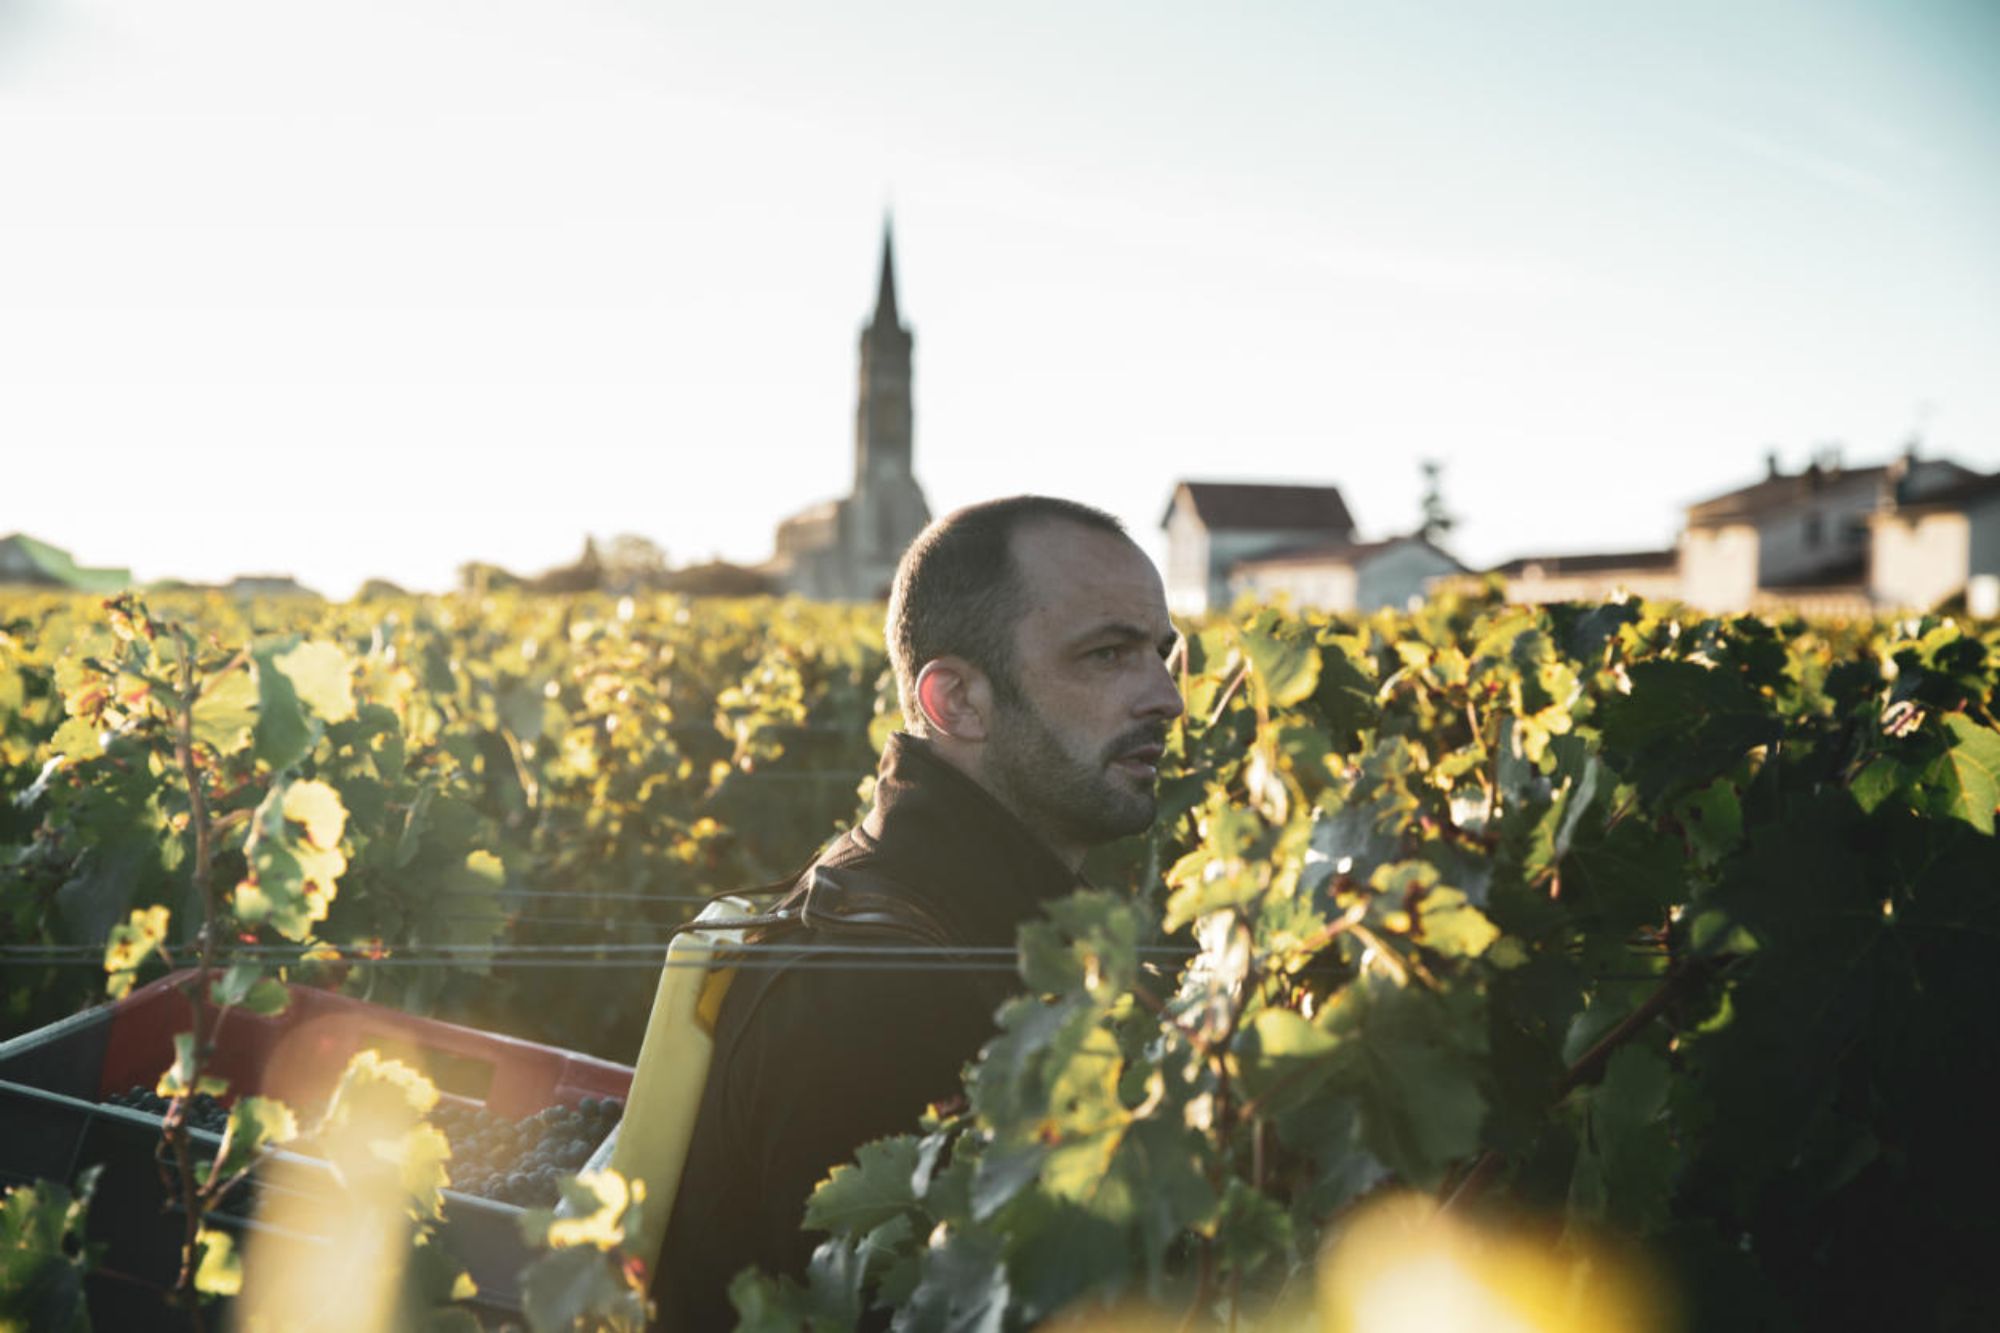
(1108, 653)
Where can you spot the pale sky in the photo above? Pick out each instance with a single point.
(377, 287)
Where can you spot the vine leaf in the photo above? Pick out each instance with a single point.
(1682, 724)
(1452, 926)
(132, 942)
(1409, 1060)
(43, 1255)
(178, 1080)
(1285, 667)
(245, 986)
(963, 1289)
(374, 1129)
(284, 734)
(221, 1269)
(1625, 1162)
(292, 879)
(1283, 1058)
(563, 1288)
(225, 715)
(1965, 779)
(255, 1123)
(1004, 1170)
(863, 1194)
(321, 675)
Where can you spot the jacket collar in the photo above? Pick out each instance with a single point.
(945, 840)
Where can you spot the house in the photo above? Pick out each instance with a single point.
(1346, 576)
(1211, 526)
(1797, 539)
(247, 586)
(28, 562)
(1536, 579)
(1926, 549)
(847, 549)
(717, 578)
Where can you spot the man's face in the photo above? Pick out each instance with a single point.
(1077, 755)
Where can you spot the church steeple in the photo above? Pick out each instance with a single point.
(882, 410)
(885, 294)
(854, 556)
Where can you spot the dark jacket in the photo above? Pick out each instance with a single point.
(812, 1061)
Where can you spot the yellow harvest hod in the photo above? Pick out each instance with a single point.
(651, 1140)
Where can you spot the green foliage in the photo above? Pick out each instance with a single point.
(586, 1281)
(1670, 926)
(392, 777)
(44, 1258)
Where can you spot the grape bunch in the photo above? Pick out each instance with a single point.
(520, 1161)
(204, 1111)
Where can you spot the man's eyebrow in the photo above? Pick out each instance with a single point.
(1118, 631)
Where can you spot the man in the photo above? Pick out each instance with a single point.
(1029, 639)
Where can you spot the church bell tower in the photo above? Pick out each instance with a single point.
(882, 408)
(847, 549)
(887, 507)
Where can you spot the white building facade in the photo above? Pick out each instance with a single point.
(1212, 527)
(1358, 576)
(1926, 551)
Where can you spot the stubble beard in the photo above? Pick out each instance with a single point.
(1066, 799)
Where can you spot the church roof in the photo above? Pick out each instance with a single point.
(1257, 507)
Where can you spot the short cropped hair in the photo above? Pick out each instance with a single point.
(958, 594)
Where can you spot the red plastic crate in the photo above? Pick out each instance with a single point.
(298, 1055)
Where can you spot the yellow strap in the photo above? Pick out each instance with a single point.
(708, 1008)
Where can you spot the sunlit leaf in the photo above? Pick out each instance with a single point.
(221, 1270)
(225, 713)
(317, 806)
(256, 1123)
(322, 676)
(1286, 666)
(1452, 926)
(132, 942)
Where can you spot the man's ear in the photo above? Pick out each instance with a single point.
(955, 698)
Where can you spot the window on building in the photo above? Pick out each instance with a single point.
(1815, 528)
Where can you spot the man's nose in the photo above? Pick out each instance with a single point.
(1163, 695)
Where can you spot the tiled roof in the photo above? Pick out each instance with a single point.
(1772, 493)
(1330, 553)
(1555, 566)
(1256, 507)
(1957, 494)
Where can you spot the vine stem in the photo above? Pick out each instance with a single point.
(530, 787)
(1229, 690)
(193, 1200)
(1479, 736)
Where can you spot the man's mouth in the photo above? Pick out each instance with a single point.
(1141, 761)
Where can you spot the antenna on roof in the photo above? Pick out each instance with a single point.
(1925, 411)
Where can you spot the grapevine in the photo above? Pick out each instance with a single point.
(1641, 927)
